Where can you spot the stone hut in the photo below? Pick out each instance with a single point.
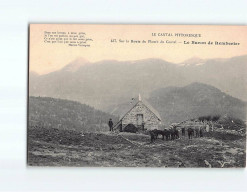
(142, 116)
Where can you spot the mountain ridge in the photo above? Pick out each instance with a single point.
(106, 83)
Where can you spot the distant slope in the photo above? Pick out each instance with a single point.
(176, 104)
(65, 114)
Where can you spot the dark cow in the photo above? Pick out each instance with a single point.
(158, 132)
(174, 133)
(167, 133)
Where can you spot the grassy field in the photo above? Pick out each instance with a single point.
(53, 147)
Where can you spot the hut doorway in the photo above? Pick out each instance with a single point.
(140, 122)
(139, 119)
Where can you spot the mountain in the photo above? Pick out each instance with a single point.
(75, 65)
(105, 83)
(108, 83)
(228, 75)
(176, 104)
(65, 114)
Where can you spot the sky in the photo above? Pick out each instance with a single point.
(47, 57)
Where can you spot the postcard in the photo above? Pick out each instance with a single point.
(171, 96)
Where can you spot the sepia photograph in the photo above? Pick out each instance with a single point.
(168, 96)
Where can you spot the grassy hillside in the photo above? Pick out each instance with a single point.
(65, 114)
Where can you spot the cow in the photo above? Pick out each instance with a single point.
(159, 132)
(174, 133)
(167, 133)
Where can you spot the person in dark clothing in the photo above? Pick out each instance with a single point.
(190, 132)
(176, 132)
(193, 132)
(197, 131)
(183, 131)
(110, 123)
(201, 132)
(152, 136)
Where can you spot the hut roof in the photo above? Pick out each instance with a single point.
(130, 107)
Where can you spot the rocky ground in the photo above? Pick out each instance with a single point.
(53, 147)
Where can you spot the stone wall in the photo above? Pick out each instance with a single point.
(151, 121)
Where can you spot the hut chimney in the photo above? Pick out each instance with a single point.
(140, 99)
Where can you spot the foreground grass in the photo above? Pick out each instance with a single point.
(52, 147)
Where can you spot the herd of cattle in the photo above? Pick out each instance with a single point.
(173, 133)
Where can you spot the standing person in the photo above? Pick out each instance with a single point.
(152, 136)
(197, 129)
(207, 128)
(110, 123)
(212, 124)
(190, 131)
(183, 131)
(201, 132)
(175, 132)
(193, 132)
(172, 133)
(143, 126)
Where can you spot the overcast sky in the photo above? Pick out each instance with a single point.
(45, 57)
